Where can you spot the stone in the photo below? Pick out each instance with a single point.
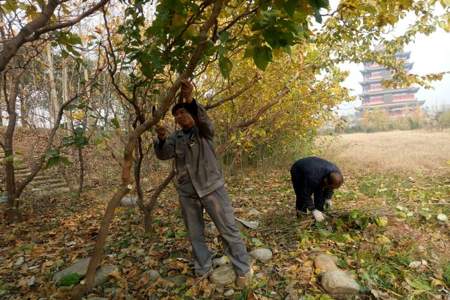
(248, 224)
(153, 275)
(325, 263)
(261, 254)
(31, 281)
(229, 293)
(19, 261)
(129, 201)
(415, 264)
(254, 212)
(442, 218)
(339, 284)
(79, 267)
(178, 280)
(223, 275)
(102, 274)
(217, 262)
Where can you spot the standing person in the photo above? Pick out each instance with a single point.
(200, 184)
(314, 175)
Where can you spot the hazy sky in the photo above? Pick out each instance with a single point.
(429, 54)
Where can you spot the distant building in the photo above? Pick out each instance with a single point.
(394, 101)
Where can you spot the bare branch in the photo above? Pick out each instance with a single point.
(38, 26)
(235, 95)
(68, 23)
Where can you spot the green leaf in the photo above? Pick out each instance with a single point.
(116, 123)
(290, 6)
(224, 36)
(418, 284)
(70, 279)
(447, 274)
(262, 56)
(225, 65)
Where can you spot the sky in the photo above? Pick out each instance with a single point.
(429, 54)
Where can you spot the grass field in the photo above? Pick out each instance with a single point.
(416, 151)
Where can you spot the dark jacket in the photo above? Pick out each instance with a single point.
(195, 158)
(308, 176)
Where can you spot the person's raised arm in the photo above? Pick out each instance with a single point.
(202, 119)
(164, 145)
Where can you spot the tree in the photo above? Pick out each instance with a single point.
(14, 61)
(184, 38)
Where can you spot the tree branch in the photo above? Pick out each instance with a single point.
(235, 95)
(38, 26)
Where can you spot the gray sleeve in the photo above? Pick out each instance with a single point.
(165, 149)
(204, 123)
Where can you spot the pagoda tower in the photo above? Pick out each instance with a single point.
(396, 102)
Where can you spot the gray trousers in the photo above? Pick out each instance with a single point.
(218, 206)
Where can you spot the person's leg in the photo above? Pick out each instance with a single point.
(192, 211)
(218, 206)
(300, 205)
(319, 200)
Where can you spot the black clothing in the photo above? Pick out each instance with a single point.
(308, 176)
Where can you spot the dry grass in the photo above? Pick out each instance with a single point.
(416, 151)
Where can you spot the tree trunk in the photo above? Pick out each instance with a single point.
(54, 104)
(24, 113)
(81, 161)
(12, 213)
(164, 104)
(65, 94)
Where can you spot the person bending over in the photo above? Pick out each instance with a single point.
(314, 176)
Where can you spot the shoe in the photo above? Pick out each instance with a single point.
(244, 280)
(318, 215)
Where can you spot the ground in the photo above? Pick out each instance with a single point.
(383, 229)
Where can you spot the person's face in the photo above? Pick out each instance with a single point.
(184, 119)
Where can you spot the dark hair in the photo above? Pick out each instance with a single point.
(335, 178)
(189, 107)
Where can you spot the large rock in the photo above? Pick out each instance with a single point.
(223, 275)
(129, 201)
(339, 284)
(80, 267)
(262, 254)
(102, 274)
(217, 262)
(325, 263)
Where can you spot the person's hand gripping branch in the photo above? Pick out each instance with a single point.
(186, 91)
(161, 131)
